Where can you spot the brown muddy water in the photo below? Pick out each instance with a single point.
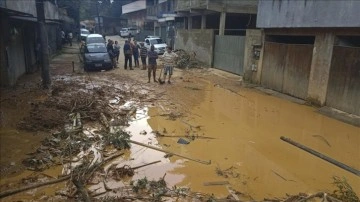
(246, 150)
(247, 126)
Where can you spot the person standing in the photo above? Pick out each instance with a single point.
(110, 50)
(143, 54)
(168, 59)
(136, 54)
(62, 33)
(128, 55)
(152, 56)
(70, 37)
(117, 51)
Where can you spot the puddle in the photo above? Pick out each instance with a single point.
(248, 126)
(141, 131)
(247, 150)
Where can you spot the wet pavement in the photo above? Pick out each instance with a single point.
(244, 125)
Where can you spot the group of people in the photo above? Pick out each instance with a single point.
(114, 51)
(134, 50)
(66, 38)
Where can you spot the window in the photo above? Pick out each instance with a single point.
(290, 39)
(95, 40)
(155, 41)
(85, 32)
(96, 48)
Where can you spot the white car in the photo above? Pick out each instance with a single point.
(94, 38)
(83, 34)
(159, 45)
(128, 32)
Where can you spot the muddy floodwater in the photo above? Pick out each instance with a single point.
(230, 135)
(247, 126)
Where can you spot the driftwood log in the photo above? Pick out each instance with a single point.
(322, 156)
(168, 152)
(61, 179)
(15, 191)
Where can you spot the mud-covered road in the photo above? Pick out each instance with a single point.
(236, 128)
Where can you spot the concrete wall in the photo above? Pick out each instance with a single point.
(231, 6)
(51, 11)
(320, 68)
(251, 63)
(54, 38)
(27, 6)
(200, 41)
(15, 65)
(308, 13)
(136, 18)
(4, 36)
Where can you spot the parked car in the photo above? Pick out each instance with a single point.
(94, 38)
(96, 57)
(150, 36)
(128, 32)
(83, 34)
(160, 46)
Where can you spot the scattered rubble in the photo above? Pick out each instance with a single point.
(187, 60)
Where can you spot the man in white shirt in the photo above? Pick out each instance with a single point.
(62, 37)
(169, 59)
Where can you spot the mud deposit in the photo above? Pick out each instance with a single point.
(204, 137)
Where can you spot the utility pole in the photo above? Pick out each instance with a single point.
(45, 70)
(98, 16)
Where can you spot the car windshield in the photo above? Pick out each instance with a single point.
(96, 48)
(123, 29)
(91, 40)
(85, 32)
(155, 41)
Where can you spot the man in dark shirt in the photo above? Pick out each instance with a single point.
(152, 55)
(110, 50)
(143, 55)
(128, 55)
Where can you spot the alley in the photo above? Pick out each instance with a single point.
(238, 129)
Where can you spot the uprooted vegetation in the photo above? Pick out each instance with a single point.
(72, 97)
(187, 60)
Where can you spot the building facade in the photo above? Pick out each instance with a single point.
(311, 50)
(164, 19)
(215, 31)
(19, 36)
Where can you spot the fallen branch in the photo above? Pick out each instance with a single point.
(104, 120)
(216, 183)
(323, 195)
(279, 175)
(172, 153)
(106, 160)
(137, 167)
(178, 136)
(322, 156)
(15, 191)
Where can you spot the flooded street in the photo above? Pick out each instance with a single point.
(205, 114)
(247, 126)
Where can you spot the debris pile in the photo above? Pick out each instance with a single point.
(187, 60)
